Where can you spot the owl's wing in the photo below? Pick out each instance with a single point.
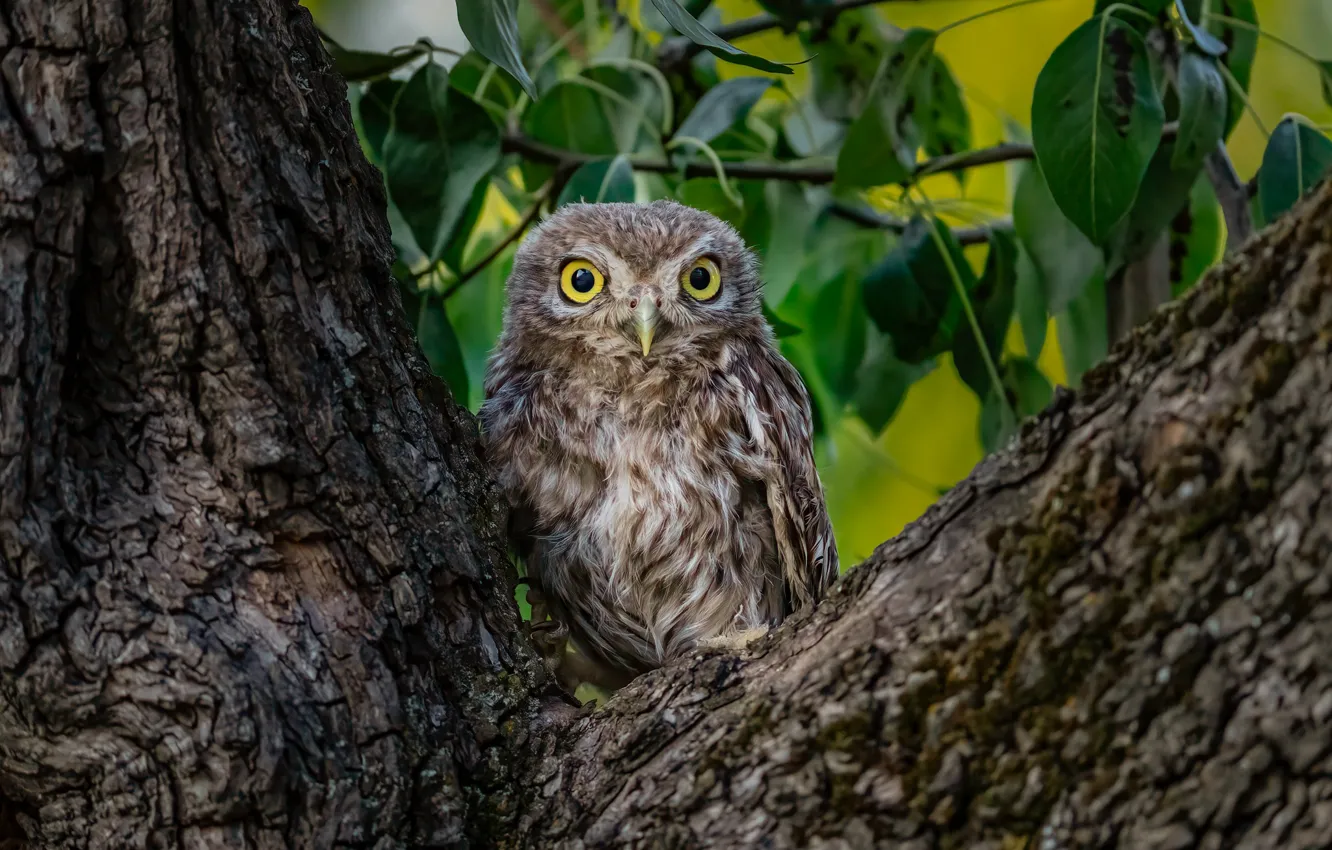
(777, 412)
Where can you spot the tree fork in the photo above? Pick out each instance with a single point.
(253, 590)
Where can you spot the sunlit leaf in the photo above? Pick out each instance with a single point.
(722, 106)
(688, 26)
(603, 181)
(1096, 119)
(491, 27)
(992, 302)
(1297, 156)
(1202, 110)
(440, 146)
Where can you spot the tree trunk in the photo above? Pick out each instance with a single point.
(253, 589)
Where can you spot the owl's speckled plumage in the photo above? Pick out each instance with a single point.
(665, 498)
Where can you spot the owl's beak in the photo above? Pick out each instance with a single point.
(646, 317)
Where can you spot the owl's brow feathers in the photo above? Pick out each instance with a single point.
(642, 236)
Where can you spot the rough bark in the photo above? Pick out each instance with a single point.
(252, 591)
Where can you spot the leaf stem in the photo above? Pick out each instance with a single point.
(512, 236)
(985, 14)
(1239, 90)
(717, 167)
(996, 383)
(1276, 39)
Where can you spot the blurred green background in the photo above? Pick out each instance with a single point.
(876, 485)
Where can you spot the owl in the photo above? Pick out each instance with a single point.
(654, 445)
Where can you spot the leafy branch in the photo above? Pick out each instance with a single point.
(678, 50)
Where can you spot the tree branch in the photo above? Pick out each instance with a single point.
(978, 235)
(1233, 196)
(546, 193)
(675, 51)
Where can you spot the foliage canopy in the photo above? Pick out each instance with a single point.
(573, 100)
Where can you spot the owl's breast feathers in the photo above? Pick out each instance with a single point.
(668, 505)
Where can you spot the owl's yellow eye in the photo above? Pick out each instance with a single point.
(702, 280)
(580, 281)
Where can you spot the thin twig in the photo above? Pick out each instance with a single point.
(513, 236)
(745, 170)
(677, 50)
(978, 235)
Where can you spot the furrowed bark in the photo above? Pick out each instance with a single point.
(253, 591)
(1114, 634)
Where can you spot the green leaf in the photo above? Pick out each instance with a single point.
(572, 117)
(472, 75)
(602, 182)
(1027, 391)
(880, 146)
(992, 302)
(1064, 258)
(688, 26)
(1297, 157)
(1202, 110)
(882, 382)
(827, 304)
(1325, 73)
(454, 254)
(637, 115)
(910, 294)
(1165, 191)
(1082, 332)
(440, 146)
(1096, 119)
(1029, 302)
(780, 327)
(706, 193)
(784, 246)
(943, 116)
(360, 65)
(491, 27)
(845, 56)
(722, 106)
(1195, 237)
(1202, 39)
(1241, 46)
(440, 345)
(375, 109)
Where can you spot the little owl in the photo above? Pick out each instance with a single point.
(654, 445)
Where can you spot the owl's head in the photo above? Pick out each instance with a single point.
(632, 279)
